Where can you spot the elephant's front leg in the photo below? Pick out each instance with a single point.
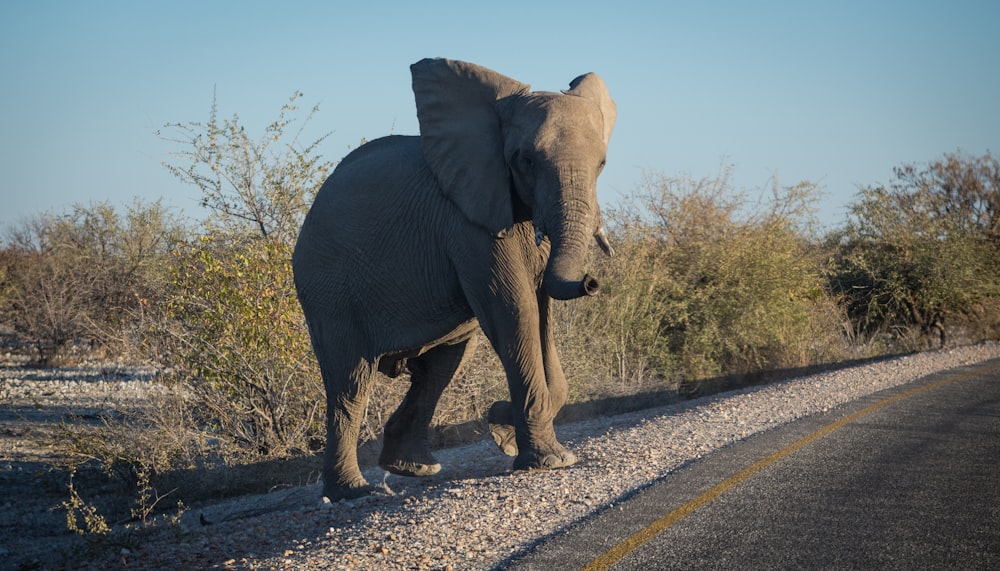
(555, 378)
(501, 414)
(514, 325)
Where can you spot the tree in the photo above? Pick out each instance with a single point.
(260, 186)
(969, 189)
(90, 275)
(240, 340)
(923, 250)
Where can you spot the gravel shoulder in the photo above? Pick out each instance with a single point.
(477, 513)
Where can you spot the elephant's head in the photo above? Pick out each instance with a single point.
(488, 138)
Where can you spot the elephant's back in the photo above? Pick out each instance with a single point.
(375, 175)
(377, 213)
(397, 150)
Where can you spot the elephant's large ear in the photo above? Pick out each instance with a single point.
(590, 86)
(462, 136)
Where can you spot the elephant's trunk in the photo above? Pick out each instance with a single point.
(570, 235)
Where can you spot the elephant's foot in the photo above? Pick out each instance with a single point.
(503, 435)
(408, 460)
(412, 469)
(547, 458)
(346, 491)
(501, 420)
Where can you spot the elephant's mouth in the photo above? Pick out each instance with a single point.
(600, 236)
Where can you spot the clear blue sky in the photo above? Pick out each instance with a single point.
(833, 92)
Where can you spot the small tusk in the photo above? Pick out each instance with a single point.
(539, 236)
(602, 240)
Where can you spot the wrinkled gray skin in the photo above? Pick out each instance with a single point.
(412, 240)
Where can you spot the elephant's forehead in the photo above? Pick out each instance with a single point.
(564, 119)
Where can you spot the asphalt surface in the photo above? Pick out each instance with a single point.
(907, 478)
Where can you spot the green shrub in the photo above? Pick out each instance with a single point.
(121, 462)
(242, 346)
(704, 283)
(239, 341)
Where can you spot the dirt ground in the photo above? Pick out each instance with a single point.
(33, 531)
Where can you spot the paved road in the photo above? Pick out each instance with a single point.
(905, 479)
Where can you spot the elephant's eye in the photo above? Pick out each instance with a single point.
(522, 161)
(600, 167)
(527, 161)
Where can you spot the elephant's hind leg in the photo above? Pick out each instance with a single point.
(348, 384)
(406, 449)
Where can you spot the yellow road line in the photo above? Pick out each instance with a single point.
(643, 536)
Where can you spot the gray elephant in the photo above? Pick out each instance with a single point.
(414, 242)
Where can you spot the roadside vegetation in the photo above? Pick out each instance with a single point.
(708, 281)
